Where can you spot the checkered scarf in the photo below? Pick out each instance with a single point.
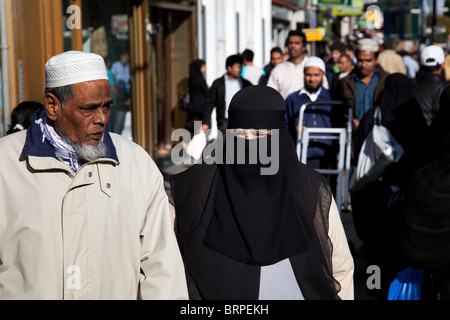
(63, 151)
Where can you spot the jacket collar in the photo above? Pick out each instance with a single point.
(35, 146)
(321, 96)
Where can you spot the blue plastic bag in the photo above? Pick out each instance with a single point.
(407, 285)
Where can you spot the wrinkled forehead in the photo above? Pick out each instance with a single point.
(92, 91)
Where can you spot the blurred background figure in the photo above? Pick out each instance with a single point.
(350, 51)
(390, 60)
(22, 114)
(222, 91)
(344, 63)
(198, 90)
(121, 72)
(337, 48)
(276, 57)
(251, 72)
(411, 63)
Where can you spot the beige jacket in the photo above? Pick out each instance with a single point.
(105, 233)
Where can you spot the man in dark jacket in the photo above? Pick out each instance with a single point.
(426, 93)
(362, 87)
(429, 88)
(315, 115)
(321, 153)
(221, 92)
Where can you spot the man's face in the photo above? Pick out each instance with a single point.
(313, 78)
(235, 70)
(295, 47)
(366, 62)
(85, 117)
(276, 58)
(125, 58)
(344, 64)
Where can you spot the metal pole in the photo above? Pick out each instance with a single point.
(4, 68)
(433, 23)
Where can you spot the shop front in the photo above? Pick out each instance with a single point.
(147, 46)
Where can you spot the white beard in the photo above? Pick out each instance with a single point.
(86, 152)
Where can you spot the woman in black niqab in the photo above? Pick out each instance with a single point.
(255, 217)
(233, 222)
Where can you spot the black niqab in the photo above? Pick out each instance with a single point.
(255, 218)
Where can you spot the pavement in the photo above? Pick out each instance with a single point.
(361, 273)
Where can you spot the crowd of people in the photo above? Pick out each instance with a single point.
(405, 85)
(98, 209)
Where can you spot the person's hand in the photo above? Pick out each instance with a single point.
(355, 124)
(205, 127)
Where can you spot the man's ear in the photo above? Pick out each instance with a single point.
(52, 106)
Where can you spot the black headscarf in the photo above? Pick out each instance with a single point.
(255, 216)
(198, 87)
(195, 67)
(396, 92)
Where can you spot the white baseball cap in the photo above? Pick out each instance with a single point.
(432, 56)
(73, 67)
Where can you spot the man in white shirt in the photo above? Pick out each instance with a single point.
(287, 77)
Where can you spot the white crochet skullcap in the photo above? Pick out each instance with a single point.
(365, 44)
(74, 67)
(315, 62)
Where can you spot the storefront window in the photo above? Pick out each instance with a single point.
(105, 31)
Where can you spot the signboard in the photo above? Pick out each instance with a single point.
(354, 8)
(347, 11)
(313, 34)
(332, 2)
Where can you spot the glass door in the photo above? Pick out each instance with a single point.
(105, 31)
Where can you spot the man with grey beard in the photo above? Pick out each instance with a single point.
(83, 212)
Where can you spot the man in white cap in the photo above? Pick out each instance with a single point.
(430, 86)
(361, 89)
(83, 212)
(321, 153)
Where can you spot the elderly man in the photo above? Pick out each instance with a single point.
(362, 87)
(96, 221)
